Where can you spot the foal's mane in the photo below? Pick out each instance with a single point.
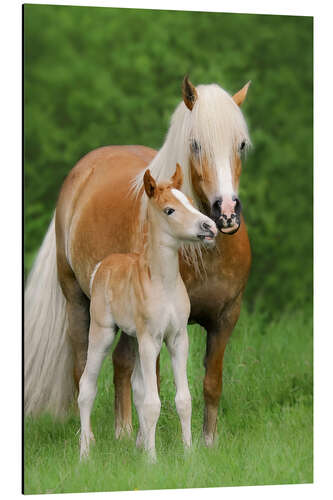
(217, 124)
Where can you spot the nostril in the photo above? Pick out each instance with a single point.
(209, 229)
(238, 206)
(217, 205)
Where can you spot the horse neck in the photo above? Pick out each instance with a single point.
(163, 165)
(161, 254)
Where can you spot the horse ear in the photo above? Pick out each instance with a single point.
(149, 183)
(177, 178)
(239, 97)
(190, 94)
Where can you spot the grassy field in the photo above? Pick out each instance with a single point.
(265, 422)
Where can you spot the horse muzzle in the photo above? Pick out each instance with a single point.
(228, 225)
(226, 214)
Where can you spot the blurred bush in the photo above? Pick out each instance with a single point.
(95, 76)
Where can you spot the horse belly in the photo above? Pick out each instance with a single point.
(207, 302)
(122, 311)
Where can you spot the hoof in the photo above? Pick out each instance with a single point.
(209, 440)
(139, 439)
(84, 456)
(85, 442)
(123, 431)
(188, 450)
(151, 457)
(187, 446)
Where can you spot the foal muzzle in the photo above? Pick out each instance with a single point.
(208, 230)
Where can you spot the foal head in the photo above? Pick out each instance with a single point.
(216, 138)
(176, 214)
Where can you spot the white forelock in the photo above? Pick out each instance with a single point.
(215, 122)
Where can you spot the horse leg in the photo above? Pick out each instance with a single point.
(123, 364)
(158, 375)
(178, 349)
(148, 352)
(217, 338)
(78, 328)
(138, 397)
(100, 340)
(77, 309)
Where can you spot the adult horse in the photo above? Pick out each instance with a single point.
(101, 210)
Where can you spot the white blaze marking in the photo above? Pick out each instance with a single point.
(224, 178)
(184, 200)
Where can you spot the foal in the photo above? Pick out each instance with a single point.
(144, 295)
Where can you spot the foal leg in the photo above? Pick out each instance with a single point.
(178, 349)
(138, 394)
(123, 364)
(149, 349)
(217, 338)
(100, 340)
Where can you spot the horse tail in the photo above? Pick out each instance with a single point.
(48, 361)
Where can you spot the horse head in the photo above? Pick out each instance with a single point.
(177, 217)
(217, 137)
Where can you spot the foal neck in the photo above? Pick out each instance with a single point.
(162, 254)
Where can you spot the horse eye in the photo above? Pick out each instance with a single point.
(242, 146)
(168, 211)
(195, 146)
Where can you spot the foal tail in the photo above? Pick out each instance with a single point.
(48, 363)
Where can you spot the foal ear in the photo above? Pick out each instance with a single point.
(190, 94)
(149, 183)
(177, 178)
(239, 97)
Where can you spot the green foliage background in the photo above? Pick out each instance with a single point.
(97, 76)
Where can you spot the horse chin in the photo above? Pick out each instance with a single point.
(209, 242)
(229, 230)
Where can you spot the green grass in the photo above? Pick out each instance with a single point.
(264, 432)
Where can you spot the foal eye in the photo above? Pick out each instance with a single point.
(195, 147)
(242, 146)
(168, 211)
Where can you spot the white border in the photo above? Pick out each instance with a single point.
(281, 7)
(10, 199)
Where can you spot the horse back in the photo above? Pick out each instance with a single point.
(96, 214)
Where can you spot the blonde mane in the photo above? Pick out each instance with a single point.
(218, 125)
